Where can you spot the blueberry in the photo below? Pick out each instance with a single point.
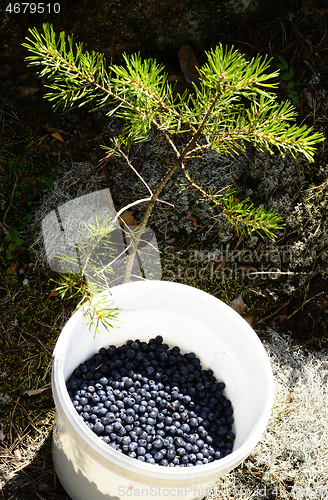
(133, 446)
(98, 428)
(128, 383)
(157, 444)
(200, 443)
(139, 356)
(185, 428)
(188, 447)
(193, 422)
(131, 353)
(181, 452)
(228, 412)
(109, 429)
(172, 429)
(108, 419)
(223, 430)
(178, 441)
(73, 385)
(170, 454)
(159, 456)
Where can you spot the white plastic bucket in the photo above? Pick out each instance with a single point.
(88, 468)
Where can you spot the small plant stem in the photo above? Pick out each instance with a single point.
(198, 188)
(180, 158)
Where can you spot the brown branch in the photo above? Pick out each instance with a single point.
(180, 157)
(301, 307)
(198, 188)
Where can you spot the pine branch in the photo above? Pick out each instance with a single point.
(242, 216)
(214, 116)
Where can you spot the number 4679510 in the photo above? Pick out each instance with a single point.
(32, 8)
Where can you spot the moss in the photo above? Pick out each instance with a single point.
(31, 321)
(198, 268)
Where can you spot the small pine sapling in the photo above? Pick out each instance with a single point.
(231, 105)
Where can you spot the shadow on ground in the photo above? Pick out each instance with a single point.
(37, 480)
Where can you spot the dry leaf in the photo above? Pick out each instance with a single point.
(220, 262)
(288, 399)
(238, 304)
(175, 78)
(29, 91)
(17, 453)
(192, 219)
(5, 71)
(44, 486)
(244, 268)
(249, 320)
(23, 76)
(167, 160)
(189, 65)
(53, 293)
(57, 136)
(171, 241)
(14, 266)
(127, 217)
(49, 129)
(2, 436)
(34, 392)
(309, 99)
(50, 274)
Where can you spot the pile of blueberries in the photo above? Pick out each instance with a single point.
(153, 403)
